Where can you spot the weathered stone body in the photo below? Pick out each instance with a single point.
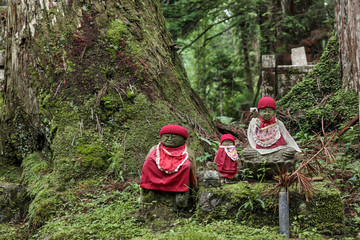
(273, 162)
(177, 200)
(211, 178)
(269, 161)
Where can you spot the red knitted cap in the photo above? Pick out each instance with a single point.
(227, 137)
(266, 102)
(175, 129)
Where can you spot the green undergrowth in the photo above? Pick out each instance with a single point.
(10, 173)
(94, 212)
(101, 211)
(186, 229)
(12, 232)
(319, 97)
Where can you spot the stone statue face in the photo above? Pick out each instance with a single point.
(172, 140)
(266, 113)
(227, 143)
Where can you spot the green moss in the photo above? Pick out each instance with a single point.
(187, 229)
(233, 197)
(12, 232)
(93, 156)
(38, 181)
(116, 32)
(43, 207)
(9, 173)
(95, 214)
(319, 97)
(323, 212)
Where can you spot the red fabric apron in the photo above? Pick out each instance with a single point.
(226, 167)
(171, 172)
(265, 123)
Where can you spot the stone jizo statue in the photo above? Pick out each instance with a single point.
(170, 168)
(227, 158)
(271, 145)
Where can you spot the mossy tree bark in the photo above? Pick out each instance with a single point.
(90, 83)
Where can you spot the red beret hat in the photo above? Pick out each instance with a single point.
(227, 137)
(266, 102)
(175, 129)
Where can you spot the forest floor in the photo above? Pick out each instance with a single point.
(109, 207)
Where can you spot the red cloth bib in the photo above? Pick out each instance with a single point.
(226, 167)
(166, 169)
(279, 142)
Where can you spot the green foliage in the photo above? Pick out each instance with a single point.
(252, 192)
(37, 177)
(253, 197)
(10, 232)
(221, 42)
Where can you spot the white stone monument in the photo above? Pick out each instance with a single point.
(298, 56)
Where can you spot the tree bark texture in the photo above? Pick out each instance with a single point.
(88, 81)
(347, 24)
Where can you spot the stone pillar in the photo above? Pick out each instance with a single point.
(268, 75)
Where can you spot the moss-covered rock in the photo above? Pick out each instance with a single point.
(248, 204)
(13, 202)
(319, 96)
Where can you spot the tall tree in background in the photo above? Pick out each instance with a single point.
(348, 32)
(249, 28)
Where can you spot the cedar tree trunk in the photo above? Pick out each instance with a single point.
(89, 84)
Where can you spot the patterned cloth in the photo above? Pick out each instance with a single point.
(254, 133)
(231, 152)
(267, 136)
(226, 160)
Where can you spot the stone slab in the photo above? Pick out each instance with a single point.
(298, 56)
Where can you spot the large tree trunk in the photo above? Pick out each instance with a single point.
(347, 24)
(90, 83)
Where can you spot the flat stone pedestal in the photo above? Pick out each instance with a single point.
(323, 212)
(272, 162)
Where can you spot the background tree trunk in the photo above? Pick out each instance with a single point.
(347, 24)
(89, 84)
